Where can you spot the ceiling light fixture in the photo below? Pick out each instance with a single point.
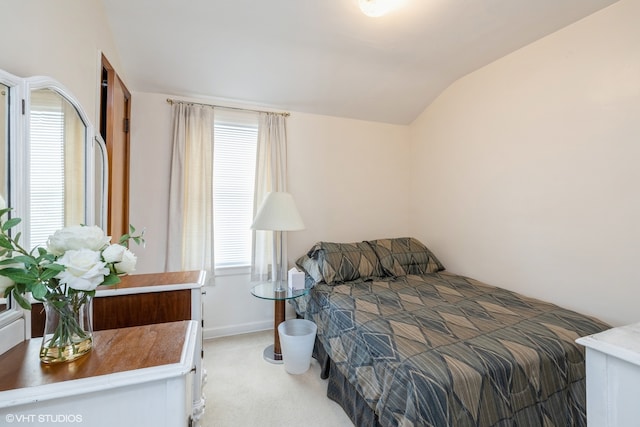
(376, 8)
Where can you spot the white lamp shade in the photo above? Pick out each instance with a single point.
(278, 212)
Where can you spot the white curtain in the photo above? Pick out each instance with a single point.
(271, 175)
(190, 228)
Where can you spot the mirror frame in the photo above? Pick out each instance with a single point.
(42, 82)
(16, 87)
(100, 211)
(18, 146)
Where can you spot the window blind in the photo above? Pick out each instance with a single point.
(46, 174)
(235, 142)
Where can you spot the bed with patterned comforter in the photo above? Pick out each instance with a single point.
(424, 347)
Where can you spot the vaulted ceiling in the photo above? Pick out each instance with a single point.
(324, 56)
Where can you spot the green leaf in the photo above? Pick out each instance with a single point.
(6, 292)
(111, 280)
(47, 259)
(11, 223)
(26, 260)
(5, 242)
(138, 239)
(19, 275)
(48, 274)
(20, 299)
(55, 267)
(39, 290)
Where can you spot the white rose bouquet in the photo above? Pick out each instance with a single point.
(77, 258)
(65, 275)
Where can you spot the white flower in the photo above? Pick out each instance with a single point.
(84, 269)
(113, 253)
(128, 263)
(77, 237)
(122, 258)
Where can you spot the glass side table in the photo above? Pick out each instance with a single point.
(278, 292)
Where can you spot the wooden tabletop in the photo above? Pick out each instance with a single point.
(157, 279)
(114, 351)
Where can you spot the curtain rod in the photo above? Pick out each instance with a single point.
(176, 101)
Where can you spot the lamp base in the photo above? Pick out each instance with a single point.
(271, 356)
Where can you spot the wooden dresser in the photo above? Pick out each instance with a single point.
(141, 299)
(147, 299)
(128, 371)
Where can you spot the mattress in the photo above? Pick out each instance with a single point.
(439, 349)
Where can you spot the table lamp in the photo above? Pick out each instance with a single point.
(278, 213)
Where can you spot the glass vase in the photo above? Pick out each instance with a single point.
(68, 333)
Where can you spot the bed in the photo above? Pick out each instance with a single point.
(403, 342)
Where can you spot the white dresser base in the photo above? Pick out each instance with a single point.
(613, 377)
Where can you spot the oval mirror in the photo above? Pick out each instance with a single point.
(52, 170)
(63, 187)
(57, 173)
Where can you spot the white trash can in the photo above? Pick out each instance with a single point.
(296, 341)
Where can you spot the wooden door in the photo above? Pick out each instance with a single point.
(115, 119)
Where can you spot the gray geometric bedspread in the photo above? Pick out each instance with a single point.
(445, 350)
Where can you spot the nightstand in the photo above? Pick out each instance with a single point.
(613, 376)
(278, 292)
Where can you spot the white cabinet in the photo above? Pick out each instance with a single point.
(138, 376)
(143, 299)
(613, 377)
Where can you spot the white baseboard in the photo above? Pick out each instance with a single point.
(245, 328)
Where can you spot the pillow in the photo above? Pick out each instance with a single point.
(340, 262)
(405, 255)
(310, 264)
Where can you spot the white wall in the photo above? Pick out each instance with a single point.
(525, 173)
(522, 174)
(61, 39)
(332, 160)
(348, 178)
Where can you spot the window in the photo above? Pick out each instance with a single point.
(56, 166)
(235, 141)
(47, 167)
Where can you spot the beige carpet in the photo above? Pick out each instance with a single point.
(243, 390)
